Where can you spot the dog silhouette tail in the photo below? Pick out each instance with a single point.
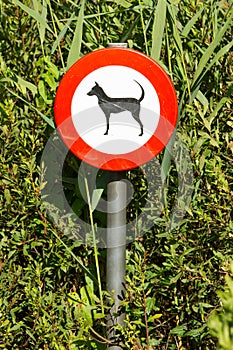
(143, 92)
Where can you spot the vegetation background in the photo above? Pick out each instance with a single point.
(49, 297)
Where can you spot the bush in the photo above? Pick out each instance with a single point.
(50, 291)
(221, 320)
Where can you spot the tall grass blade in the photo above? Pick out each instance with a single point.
(201, 98)
(94, 239)
(175, 31)
(215, 59)
(128, 34)
(61, 35)
(210, 50)
(191, 23)
(21, 84)
(221, 103)
(158, 29)
(165, 166)
(166, 162)
(83, 267)
(39, 18)
(46, 119)
(43, 8)
(178, 41)
(75, 49)
(44, 16)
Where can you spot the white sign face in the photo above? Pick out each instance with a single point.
(115, 109)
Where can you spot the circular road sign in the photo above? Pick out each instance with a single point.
(116, 109)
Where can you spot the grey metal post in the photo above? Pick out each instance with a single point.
(116, 254)
(116, 245)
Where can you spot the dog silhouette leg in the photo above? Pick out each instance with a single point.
(107, 121)
(141, 133)
(136, 117)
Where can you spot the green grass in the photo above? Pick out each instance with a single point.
(52, 289)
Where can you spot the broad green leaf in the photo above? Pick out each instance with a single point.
(89, 283)
(7, 195)
(18, 326)
(150, 304)
(30, 334)
(194, 332)
(75, 49)
(214, 142)
(52, 68)
(4, 323)
(148, 3)
(42, 91)
(158, 29)
(124, 3)
(50, 81)
(220, 104)
(203, 101)
(154, 317)
(23, 84)
(177, 277)
(96, 195)
(179, 330)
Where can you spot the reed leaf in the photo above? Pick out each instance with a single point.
(210, 50)
(215, 59)
(179, 46)
(158, 29)
(128, 34)
(22, 84)
(43, 8)
(166, 162)
(61, 34)
(175, 31)
(191, 23)
(91, 204)
(46, 119)
(40, 18)
(75, 48)
(83, 267)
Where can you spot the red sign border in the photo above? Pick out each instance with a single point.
(128, 58)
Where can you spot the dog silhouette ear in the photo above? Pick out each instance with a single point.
(96, 83)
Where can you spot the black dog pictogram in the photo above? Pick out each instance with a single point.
(116, 105)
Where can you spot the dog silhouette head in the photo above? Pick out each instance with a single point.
(96, 90)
